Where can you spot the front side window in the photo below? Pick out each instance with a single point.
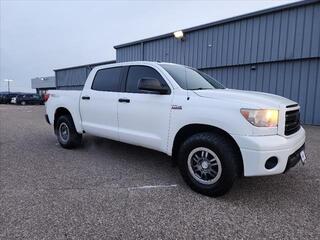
(107, 80)
(191, 79)
(135, 73)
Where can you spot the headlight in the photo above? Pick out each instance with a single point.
(261, 117)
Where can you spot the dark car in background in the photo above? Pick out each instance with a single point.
(25, 99)
(5, 98)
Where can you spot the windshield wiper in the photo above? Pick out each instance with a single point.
(200, 88)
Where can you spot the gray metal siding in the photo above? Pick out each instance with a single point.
(298, 80)
(284, 35)
(133, 53)
(79, 87)
(74, 78)
(284, 45)
(71, 77)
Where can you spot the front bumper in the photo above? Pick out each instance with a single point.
(294, 158)
(256, 150)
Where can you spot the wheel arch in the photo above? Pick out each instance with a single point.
(61, 111)
(191, 129)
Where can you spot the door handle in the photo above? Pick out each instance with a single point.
(124, 100)
(86, 98)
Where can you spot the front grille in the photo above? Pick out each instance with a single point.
(292, 122)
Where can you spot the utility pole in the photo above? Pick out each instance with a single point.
(8, 82)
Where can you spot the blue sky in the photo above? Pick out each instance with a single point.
(39, 36)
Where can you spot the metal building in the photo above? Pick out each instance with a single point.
(275, 50)
(74, 78)
(41, 84)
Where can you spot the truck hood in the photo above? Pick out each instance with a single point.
(248, 98)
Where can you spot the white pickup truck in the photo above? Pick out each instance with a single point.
(213, 133)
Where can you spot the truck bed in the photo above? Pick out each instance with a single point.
(69, 99)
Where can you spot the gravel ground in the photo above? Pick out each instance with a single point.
(98, 191)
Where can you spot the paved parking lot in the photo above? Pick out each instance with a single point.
(111, 190)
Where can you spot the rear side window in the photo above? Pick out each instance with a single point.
(135, 73)
(107, 80)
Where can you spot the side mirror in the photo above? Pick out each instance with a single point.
(152, 85)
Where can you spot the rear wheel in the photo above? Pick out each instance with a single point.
(208, 163)
(23, 103)
(66, 132)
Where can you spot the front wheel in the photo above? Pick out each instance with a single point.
(67, 135)
(208, 163)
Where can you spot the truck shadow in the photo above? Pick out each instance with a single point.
(138, 163)
(123, 150)
(146, 164)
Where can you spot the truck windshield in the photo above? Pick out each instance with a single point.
(191, 79)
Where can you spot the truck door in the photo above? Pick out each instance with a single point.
(99, 103)
(144, 116)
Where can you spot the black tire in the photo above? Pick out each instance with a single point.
(226, 170)
(73, 138)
